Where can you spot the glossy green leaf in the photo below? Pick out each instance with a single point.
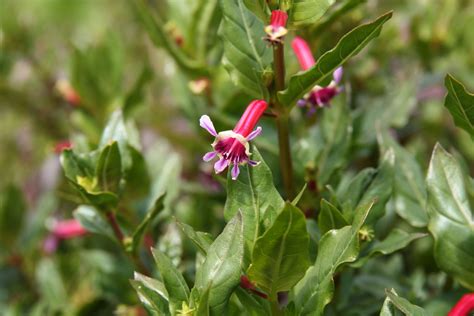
(336, 247)
(93, 221)
(246, 55)
(223, 265)
(173, 280)
(281, 255)
(202, 240)
(460, 104)
(396, 240)
(252, 193)
(109, 168)
(394, 302)
(330, 217)
(307, 11)
(351, 44)
(160, 37)
(149, 217)
(152, 294)
(409, 189)
(450, 217)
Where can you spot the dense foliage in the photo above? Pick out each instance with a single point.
(341, 137)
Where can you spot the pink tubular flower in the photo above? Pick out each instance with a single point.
(66, 229)
(319, 96)
(463, 306)
(276, 30)
(232, 147)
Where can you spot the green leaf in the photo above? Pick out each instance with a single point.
(203, 306)
(336, 247)
(75, 166)
(450, 217)
(254, 305)
(308, 11)
(51, 284)
(109, 168)
(173, 280)
(136, 95)
(12, 211)
(281, 255)
(97, 73)
(330, 218)
(222, 268)
(409, 189)
(149, 217)
(380, 188)
(300, 195)
(202, 31)
(351, 44)
(396, 240)
(202, 240)
(136, 176)
(160, 37)
(394, 301)
(252, 193)
(152, 294)
(259, 8)
(246, 55)
(93, 221)
(460, 104)
(336, 131)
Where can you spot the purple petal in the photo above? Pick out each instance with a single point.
(301, 102)
(206, 123)
(220, 165)
(254, 134)
(235, 171)
(209, 156)
(253, 163)
(311, 111)
(337, 75)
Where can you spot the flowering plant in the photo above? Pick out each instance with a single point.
(333, 181)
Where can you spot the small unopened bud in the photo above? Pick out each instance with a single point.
(199, 86)
(67, 92)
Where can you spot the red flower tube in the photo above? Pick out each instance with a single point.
(303, 53)
(319, 96)
(463, 306)
(66, 229)
(232, 147)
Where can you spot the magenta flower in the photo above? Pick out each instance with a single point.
(232, 147)
(277, 28)
(464, 306)
(319, 96)
(64, 229)
(69, 228)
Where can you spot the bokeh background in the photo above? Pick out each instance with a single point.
(99, 49)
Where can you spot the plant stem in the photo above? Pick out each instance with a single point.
(282, 119)
(112, 219)
(275, 307)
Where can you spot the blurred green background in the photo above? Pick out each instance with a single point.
(101, 50)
